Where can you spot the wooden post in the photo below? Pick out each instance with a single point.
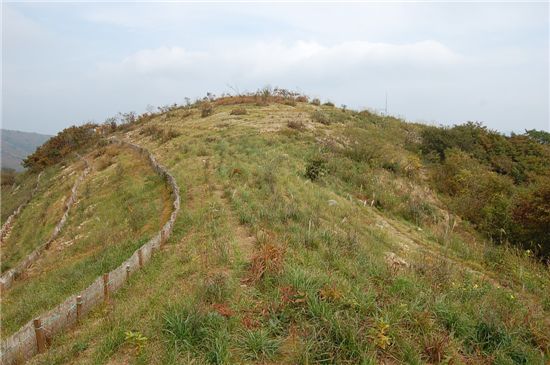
(40, 336)
(106, 288)
(127, 272)
(140, 258)
(78, 308)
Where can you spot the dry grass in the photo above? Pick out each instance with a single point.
(268, 260)
(239, 111)
(320, 285)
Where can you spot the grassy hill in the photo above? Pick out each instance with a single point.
(17, 145)
(308, 234)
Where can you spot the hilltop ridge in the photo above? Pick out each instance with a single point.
(307, 234)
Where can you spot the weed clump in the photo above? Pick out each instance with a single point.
(196, 332)
(216, 288)
(163, 135)
(320, 117)
(258, 345)
(263, 96)
(296, 124)
(206, 109)
(239, 111)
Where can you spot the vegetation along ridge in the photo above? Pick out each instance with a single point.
(308, 234)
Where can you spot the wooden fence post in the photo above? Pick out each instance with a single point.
(127, 272)
(40, 336)
(78, 308)
(106, 288)
(140, 258)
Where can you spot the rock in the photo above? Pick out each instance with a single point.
(332, 202)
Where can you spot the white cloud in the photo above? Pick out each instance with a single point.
(444, 62)
(266, 59)
(20, 32)
(164, 60)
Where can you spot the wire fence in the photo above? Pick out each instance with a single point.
(34, 336)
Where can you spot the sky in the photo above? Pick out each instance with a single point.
(66, 63)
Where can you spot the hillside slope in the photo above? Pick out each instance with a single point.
(308, 234)
(17, 145)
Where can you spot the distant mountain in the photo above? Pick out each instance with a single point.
(17, 145)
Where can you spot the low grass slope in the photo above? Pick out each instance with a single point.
(302, 241)
(120, 206)
(34, 226)
(13, 195)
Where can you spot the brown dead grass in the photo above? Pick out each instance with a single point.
(268, 259)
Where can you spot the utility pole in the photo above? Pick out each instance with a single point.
(386, 108)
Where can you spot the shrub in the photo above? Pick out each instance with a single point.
(316, 168)
(302, 99)
(289, 102)
(316, 101)
(239, 111)
(531, 211)
(329, 103)
(541, 137)
(320, 117)
(206, 109)
(67, 141)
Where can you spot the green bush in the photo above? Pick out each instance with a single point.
(316, 168)
(531, 212)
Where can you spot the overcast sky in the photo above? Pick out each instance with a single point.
(68, 63)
